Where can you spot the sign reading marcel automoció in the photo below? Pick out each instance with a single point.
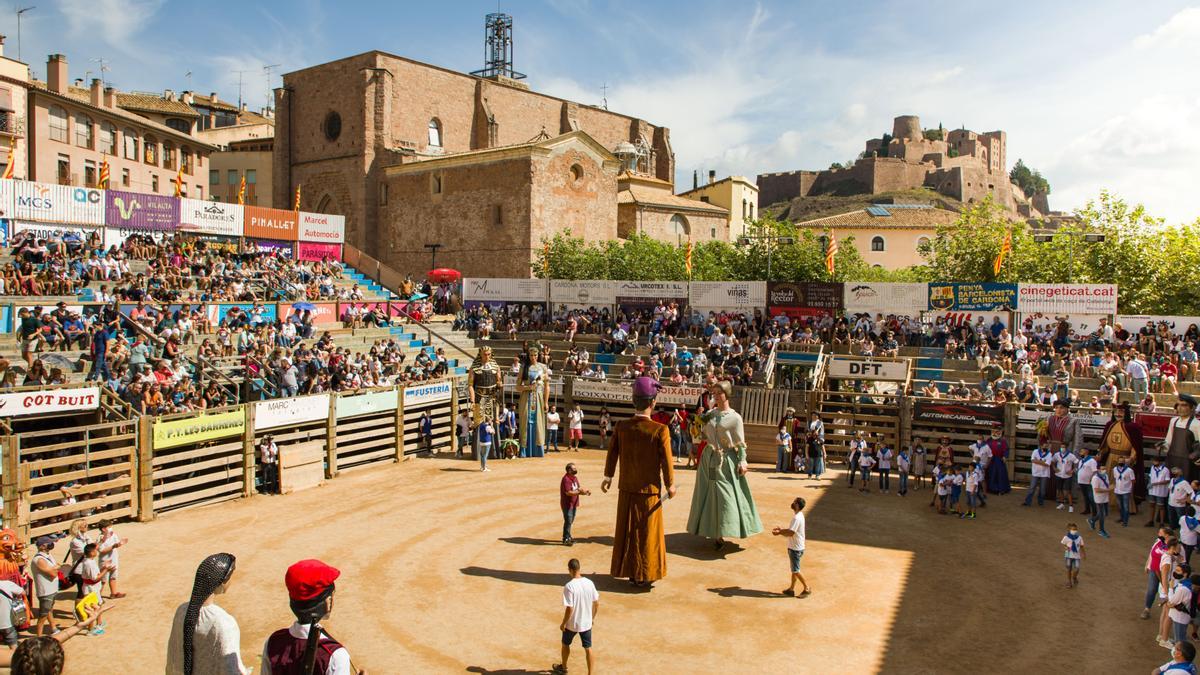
(215, 218)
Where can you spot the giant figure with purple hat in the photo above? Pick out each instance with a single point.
(642, 449)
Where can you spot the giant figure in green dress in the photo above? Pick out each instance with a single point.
(722, 505)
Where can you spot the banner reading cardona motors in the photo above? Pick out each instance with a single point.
(140, 211)
(797, 300)
(322, 227)
(314, 251)
(1068, 298)
(582, 293)
(504, 290)
(957, 297)
(57, 203)
(215, 218)
(265, 223)
(738, 296)
(862, 297)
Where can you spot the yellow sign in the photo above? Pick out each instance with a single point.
(174, 433)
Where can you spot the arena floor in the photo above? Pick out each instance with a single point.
(445, 569)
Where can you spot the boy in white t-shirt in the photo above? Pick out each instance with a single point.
(1073, 552)
(1179, 495)
(1039, 476)
(795, 534)
(972, 487)
(110, 556)
(1065, 464)
(1123, 477)
(1189, 532)
(582, 602)
(575, 428)
(783, 450)
(865, 462)
(1157, 487)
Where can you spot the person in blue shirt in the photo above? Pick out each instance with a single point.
(74, 331)
(100, 355)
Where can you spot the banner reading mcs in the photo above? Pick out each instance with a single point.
(582, 293)
(504, 290)
(57, 203)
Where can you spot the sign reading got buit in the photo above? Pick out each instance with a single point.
(422, 394)
(855, 369)
(18, 404)
(283, 412)
(620, 392)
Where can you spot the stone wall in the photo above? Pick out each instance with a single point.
(561, 201)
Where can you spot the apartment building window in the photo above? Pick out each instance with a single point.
(877, 244)
(89, 173)
(150, 151)
(125, 177)
(154, 182)
(251, 176)
(435, 133)
(168, 155)
(214, 177)
(83, 131)
(64, 170)
(131, 144)
(58, 124)
(108, 138)
(199, 192)
(182, 126)
(233, 176)
(185, 159)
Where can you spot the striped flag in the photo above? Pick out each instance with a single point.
(104, 176)
(297, 206)
(546, 260)
(1005, 249)
(687, 258)
(179, 182)
(831, 250)
(8, 170)
(242, 191)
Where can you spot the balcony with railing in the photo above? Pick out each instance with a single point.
(11, 125)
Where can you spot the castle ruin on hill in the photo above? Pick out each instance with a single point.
(960, 164)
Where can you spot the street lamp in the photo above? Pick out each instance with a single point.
(1072, 235)
(19, 13)
(746, 240)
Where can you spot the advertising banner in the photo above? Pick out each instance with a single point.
(799, 300)
(424, 394)
(58, 203)
(322, 227)
(22, 403)
(284, 249)
(959, 319)
(288, 411)
(1154, 425)
(265, 223)
(370, 402)
(958, 412)
(140, 211)
(1135, 322)
(738, 296)
(855, 369)
(49, 231)
(886, 298)
(643, 294)
(116, 236)
(323, 312)
(315, 252)
(7, 187)
(1081, 324)
(215, 218)
(582, 293)
(974, 297)
(217, 312)
(619, 392)
(504, 290)
(206, 427)
(1068, 298)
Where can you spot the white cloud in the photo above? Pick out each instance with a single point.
(943, 75)
(114, 22)
(1182, 28)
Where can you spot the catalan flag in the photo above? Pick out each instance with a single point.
(12, 160)
(1005, 249)
(546, 260)
(297, 206)
(104, 175)
(831, 250)
(242, 191)
(687, 258)
(179, 182)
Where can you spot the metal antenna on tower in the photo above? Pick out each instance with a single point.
(239, 74)
(267, 71)
(103, 69)
(498, 48)
(604, 94)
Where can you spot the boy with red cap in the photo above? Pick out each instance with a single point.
(306, 648)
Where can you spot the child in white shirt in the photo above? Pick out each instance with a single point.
(865, 463)
(783, 451)
(972, 486)
(1073, 552)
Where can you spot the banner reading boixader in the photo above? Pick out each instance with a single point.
(1067, 298)
(52, 401)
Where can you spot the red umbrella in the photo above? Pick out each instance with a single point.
(444, 275)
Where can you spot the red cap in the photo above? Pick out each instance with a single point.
(309, 578)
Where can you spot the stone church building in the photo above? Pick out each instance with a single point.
(482, 168)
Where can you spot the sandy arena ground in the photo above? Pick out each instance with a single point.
(445, 569)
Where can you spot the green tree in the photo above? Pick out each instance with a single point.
(1030, 180)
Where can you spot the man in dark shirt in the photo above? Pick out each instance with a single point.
(569, 492)
(100, 340)
(30, 332)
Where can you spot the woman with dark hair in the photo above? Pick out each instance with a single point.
(205, 639)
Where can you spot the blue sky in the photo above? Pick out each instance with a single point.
(1096, 94)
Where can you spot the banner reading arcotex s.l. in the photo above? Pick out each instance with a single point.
(1068, 298)
(140, 211)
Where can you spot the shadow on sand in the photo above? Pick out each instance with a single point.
(604, 582)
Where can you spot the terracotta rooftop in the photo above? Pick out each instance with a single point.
(154, 103)
(82, 96)
(208, 102)
(887, 215)
(650, 191)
